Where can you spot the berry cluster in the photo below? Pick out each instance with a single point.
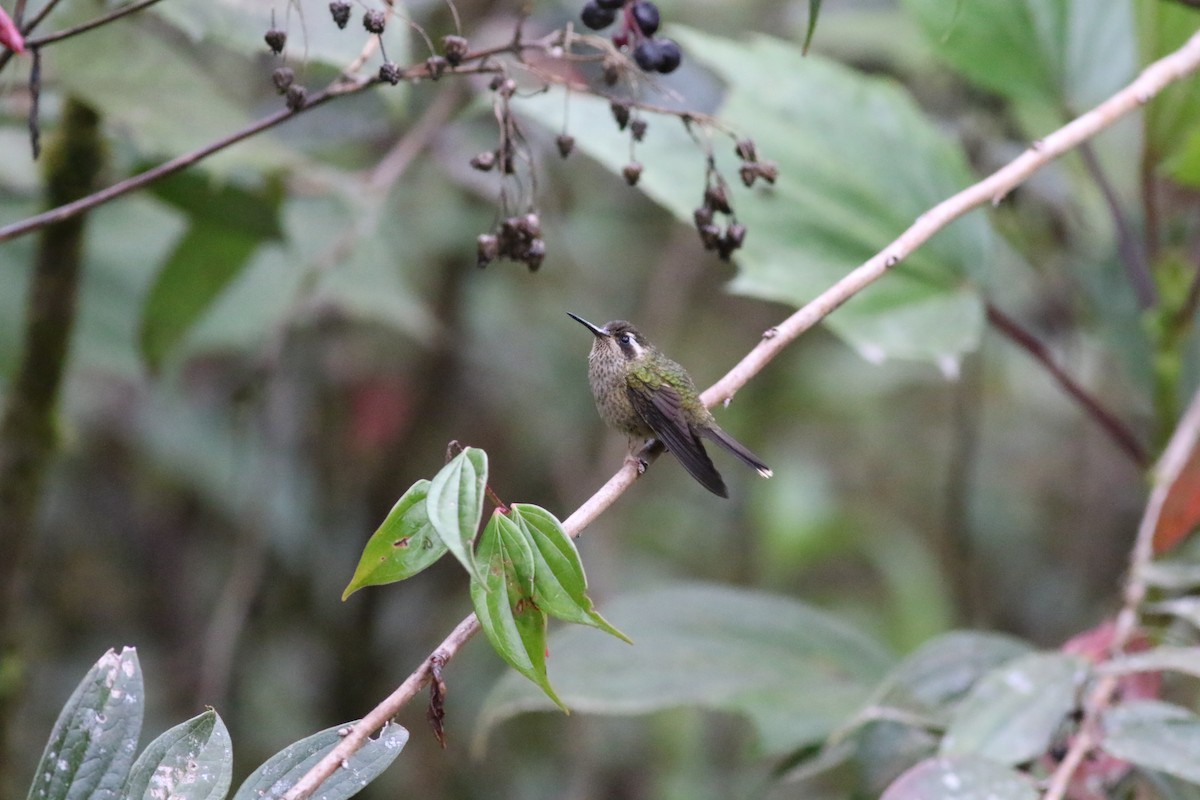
(517, 239)
(639, 22)
(716, 201)
(283, 77)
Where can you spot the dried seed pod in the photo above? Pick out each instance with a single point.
(506, 88)
(374, 21)
(749, 173)
(702, 216)
(716, 198)
(710, 235)
(296, 97)
(535, 254)
(566, 143)
(638, 128)
(632, 171)
(389, 71)
(276, 39)
(455, 49)
(435, 66)
(484, 161)
(487, 249)
(612, 70)
(620, 112)
(735, 234)
(340, 11)
(746, 150)
(530, 226)
(768, 171)
(283, 77)
(495, 82)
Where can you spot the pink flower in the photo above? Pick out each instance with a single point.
(10, 35)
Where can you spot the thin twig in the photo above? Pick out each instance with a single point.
(1109, 422)
(1170, 465)
(84, 27)
(1171, 68)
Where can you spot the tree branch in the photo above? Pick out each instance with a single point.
(1170, 465)
(84, 27)
(1109, 422)
(1150, 82)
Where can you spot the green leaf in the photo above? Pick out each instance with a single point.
(1155, 735)
(1172, 119)
(558, 580)
(504, 604)
(93, 743)
(455, 504)
(228, 223)
(1171, 575)
(1013, 713)
(1185, 660)
(1052, 55)
(191, 761)
(281, 771)
(797, 672)
(858, 163)
(814, 9)
(402, 546)
(961, 778)
(933, 679)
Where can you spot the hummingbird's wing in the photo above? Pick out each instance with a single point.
(662, 411)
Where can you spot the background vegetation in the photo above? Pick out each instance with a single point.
(270, 347)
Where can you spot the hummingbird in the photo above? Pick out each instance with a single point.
(643, 394)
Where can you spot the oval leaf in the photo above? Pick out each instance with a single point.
(455, 504)
(796, 671)
(1012, 714)
(92, 745)
(961, 778)
(510, 618)
(281, 771)
(192, 761)
(1155, 735)
(559, 583)
(403, 545)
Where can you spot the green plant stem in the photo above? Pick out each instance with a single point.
(27, 428)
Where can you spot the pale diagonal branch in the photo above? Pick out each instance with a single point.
(994, 188)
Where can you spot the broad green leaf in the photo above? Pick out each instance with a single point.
(510, 618)
(1058, 55)
(93, 743)
(1172, 119)
(932, 680)
(1155, 735)
(559, 583)
(402, 546)
(797, 672)
(1185, 660)
(455, 504)
(281, 771)
(1012, 714)
(1172, 575)
(962, 777)
(858, 163)
(192, 761)
(227, 224)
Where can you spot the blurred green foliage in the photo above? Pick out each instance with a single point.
(248, 394)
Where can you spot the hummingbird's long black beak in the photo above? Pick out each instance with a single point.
(595, 329)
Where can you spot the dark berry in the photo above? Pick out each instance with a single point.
(595, 17)
(374, 21)
(645, 14)
(638, 129)
(648, 55)
(283, 77)
(632, 171)
(669, 56)
(566, 143)
(389, 71)
(340, 10)
(276, 39)
(455, 48)
(620, 112)
(610, 5)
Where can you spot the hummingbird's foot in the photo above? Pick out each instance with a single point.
(640, 464)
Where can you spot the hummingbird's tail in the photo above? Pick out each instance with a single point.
(737, 448)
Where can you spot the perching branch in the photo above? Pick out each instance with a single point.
(1150, 82)
(1170, 465)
